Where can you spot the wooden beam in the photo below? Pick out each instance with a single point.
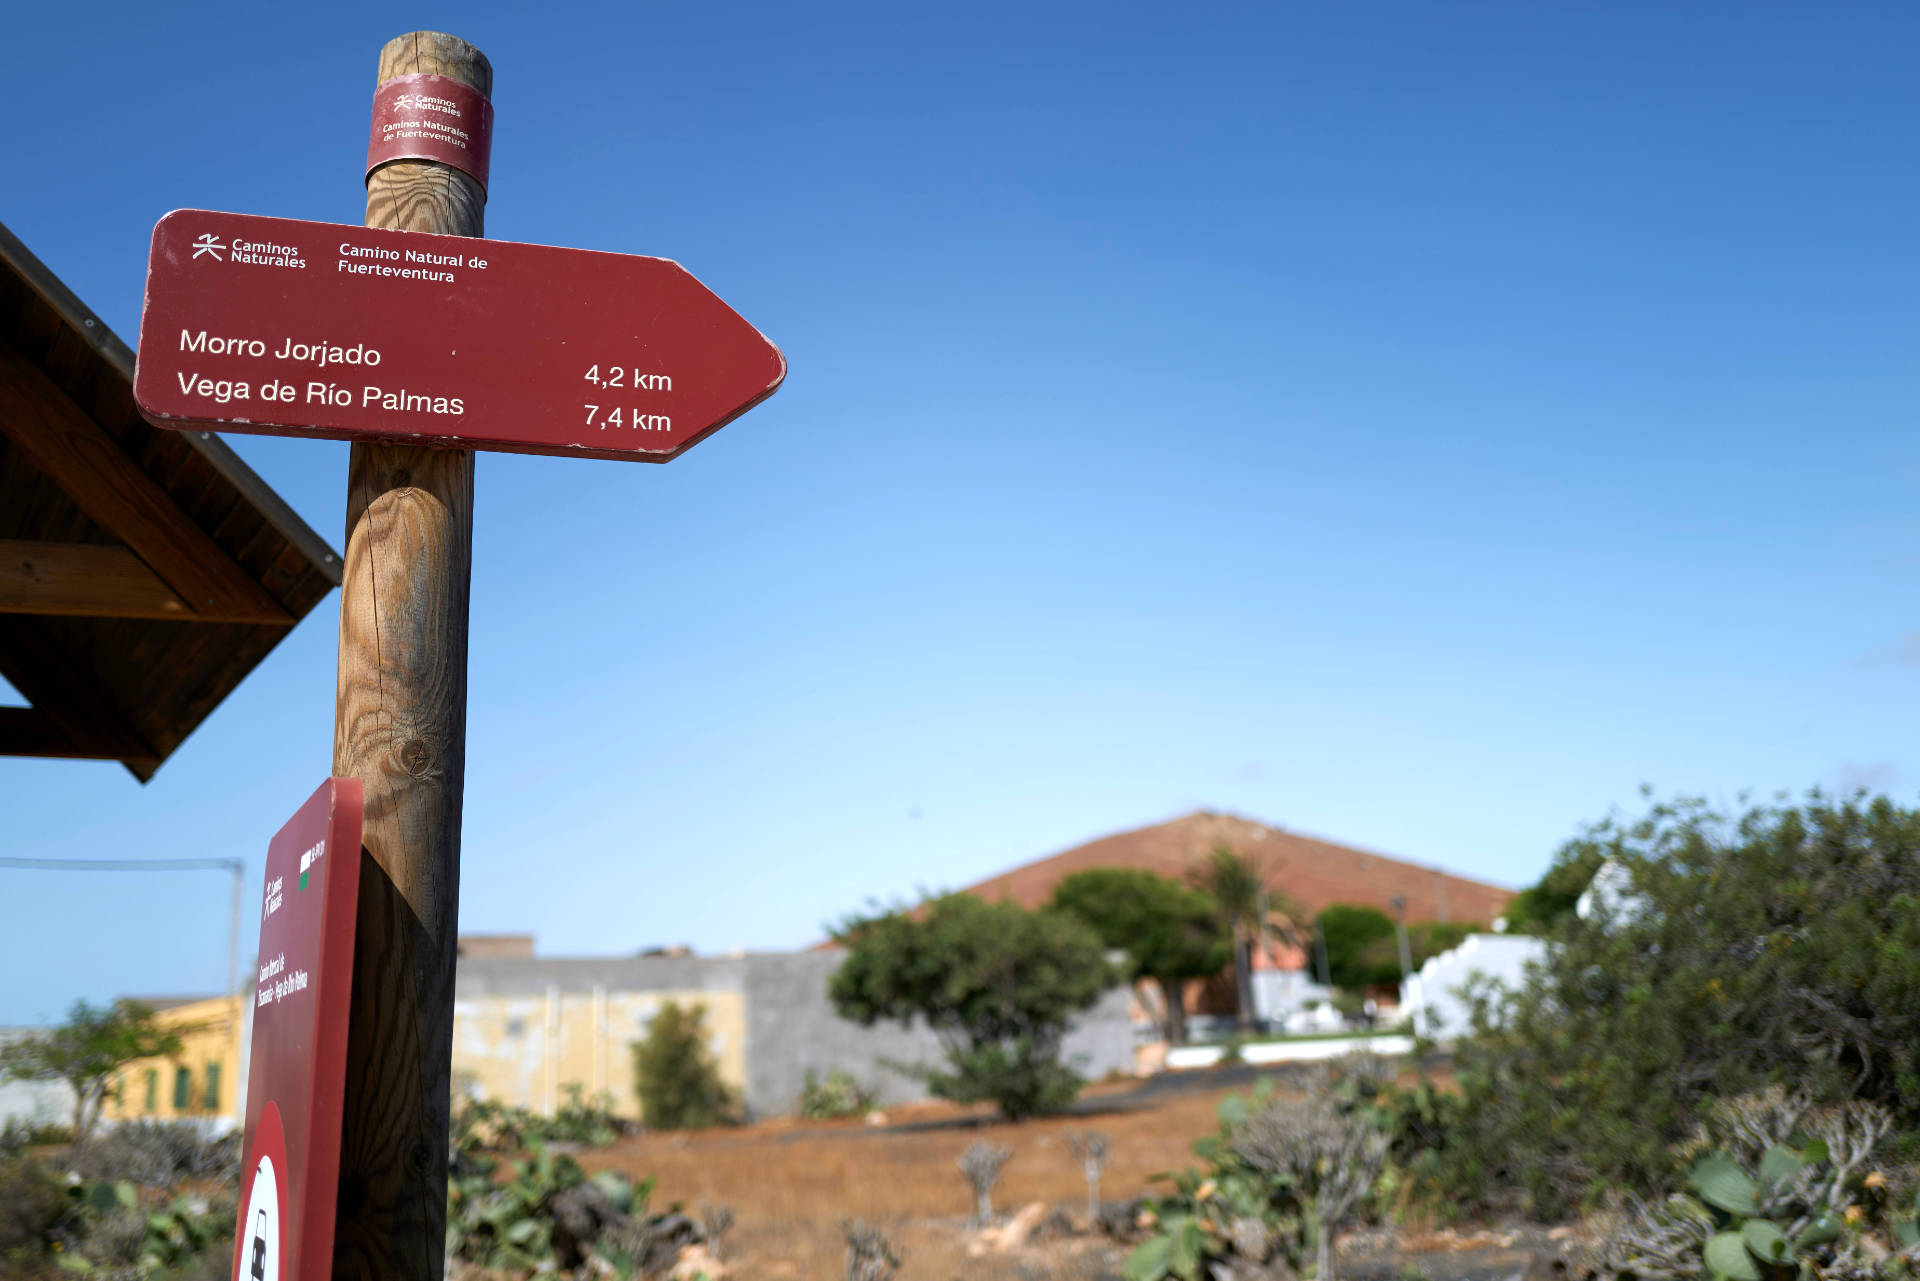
(113, 489)
(119, 357)
(28, 731)
(269, 504)
(94, 728)
(88, 580)
(75, 314)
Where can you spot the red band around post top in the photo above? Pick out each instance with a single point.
(428, 117)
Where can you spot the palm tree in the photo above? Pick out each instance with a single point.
(1239, 885)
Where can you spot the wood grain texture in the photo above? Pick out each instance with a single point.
(28, 731)
(115, 491)
(184, 501)
(88, 579)
(33, 663)
(401, 728)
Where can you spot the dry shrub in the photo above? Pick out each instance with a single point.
(157, 1153)
(870, 1256)
(32, 1204)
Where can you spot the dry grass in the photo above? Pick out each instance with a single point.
(791, 1183)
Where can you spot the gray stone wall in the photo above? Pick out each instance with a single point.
(791, 1025)
(792, 1028)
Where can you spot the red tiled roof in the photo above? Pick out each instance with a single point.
(1313, 872)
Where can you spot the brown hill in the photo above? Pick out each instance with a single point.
(1313, 872)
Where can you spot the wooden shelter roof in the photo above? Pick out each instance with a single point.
(143, 573)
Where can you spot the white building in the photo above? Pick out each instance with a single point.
(1432, 999)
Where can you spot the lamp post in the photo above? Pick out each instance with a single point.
(1400, 927)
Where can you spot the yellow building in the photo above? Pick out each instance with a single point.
(525, 1027)
(203, 1081)
(527, 1048)
(527, 1030)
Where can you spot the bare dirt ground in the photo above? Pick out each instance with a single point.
(791, 1183)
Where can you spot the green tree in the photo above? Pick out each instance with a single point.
(86, 1052)
(1539, 907)
(675, 1074)
(1169, 931)
(997, 983)
(1377, 964)
(1362, 946)
(1775, 947)
(1247, 906)
(1429, 939)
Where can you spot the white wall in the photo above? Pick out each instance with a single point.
(35, 1102)
(1431, 997)
(1278, 993)
(1182, 1057)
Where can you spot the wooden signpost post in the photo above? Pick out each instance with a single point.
(400, 727)
(401, 344)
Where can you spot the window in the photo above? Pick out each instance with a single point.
(211, 1100)
(153, 1092)
(182, 1089)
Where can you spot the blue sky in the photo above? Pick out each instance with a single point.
(1418, 425)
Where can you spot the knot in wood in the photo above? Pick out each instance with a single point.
(416, 757)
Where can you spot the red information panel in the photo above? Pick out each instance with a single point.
(318, 329)
(296, 1081)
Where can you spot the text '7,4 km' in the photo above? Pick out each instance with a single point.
(621, 377)
(360, 333)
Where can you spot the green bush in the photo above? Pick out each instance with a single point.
(545, 1216)
(484, 1125)
(1773, 948)
(186, 1235)
(1788, 1192)
(1356, 937)
(1363, 946)
(1022, 1077)
(840, 1094)
(32, 1205)
(102, 1228)
(998, 984)
(545, 1211)
(1542, 906)
(19, 1134)
(488, 1126)
(676, 1076)
(1428, 939)
(1282, 1175)
(581, 1120)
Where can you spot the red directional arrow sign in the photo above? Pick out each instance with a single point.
(317, 329)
